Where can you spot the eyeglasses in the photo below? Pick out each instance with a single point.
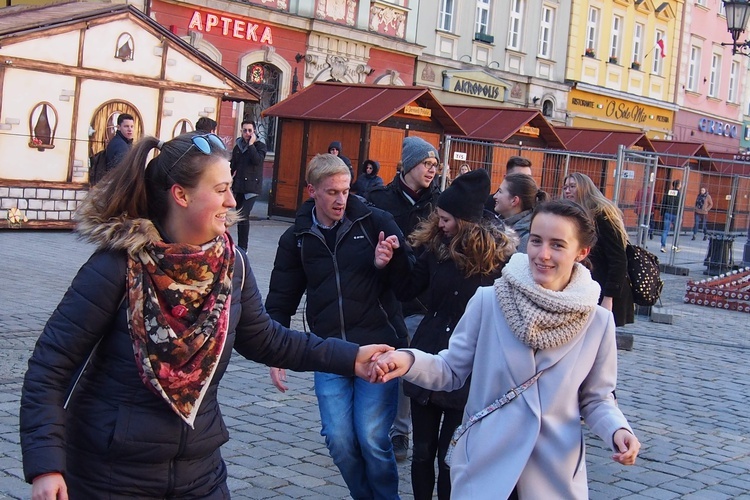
(247, 131)
(204, 143)
(429, 165)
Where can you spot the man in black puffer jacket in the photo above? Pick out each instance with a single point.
(333, 252)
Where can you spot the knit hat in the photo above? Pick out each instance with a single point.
(466, 196)
(414, 150)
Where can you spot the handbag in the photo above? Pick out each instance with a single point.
(495, 405)
(644, 275)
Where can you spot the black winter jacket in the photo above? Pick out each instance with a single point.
(347, 296)
(367, 182)
(449, 292)
(116, 150)
(609, 264)
(247, 166)
(408, 214)
(117, 437)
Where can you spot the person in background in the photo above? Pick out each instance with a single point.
(516, 197)
(335, 149)
(608, 258)
(538, 328)
(368, 178)
(518, 165)
(463, 169)
(669, 206)
(703, 205)
(514, 165)
(462, 251)
(121, 143)
(247, 169)
(410, 198)
(339, 252)
(153, 316)
(205, 125)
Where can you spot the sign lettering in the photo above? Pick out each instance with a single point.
(416, 110)
(230, 27)
(717, 128)
(477, 89)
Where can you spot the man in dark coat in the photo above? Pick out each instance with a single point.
(669, 206)
(368, 178)
(121, 143)
(335, 149)
(410, 198)
(336, 253)
(247, 169)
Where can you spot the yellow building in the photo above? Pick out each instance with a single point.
(622, 57)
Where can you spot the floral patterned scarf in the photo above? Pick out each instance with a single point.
(179, 301)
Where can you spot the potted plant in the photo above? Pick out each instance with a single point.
(635, 65)
(613, 59)
(590, 52)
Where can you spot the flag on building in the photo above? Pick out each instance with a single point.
(662, 47)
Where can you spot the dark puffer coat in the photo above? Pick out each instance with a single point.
(117, 438)
(408, 214)
(347, 297)
(449, 291)
(367, 182)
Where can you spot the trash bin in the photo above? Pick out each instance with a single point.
(720, 256)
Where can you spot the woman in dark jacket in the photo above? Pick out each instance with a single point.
(368, 178)
(463, 251)
(608, 258)
(156, 310)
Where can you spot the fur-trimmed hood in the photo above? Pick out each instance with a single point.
(117, 233)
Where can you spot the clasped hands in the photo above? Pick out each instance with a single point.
(376, 363)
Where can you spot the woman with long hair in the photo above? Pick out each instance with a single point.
(542, 355)
(152, 318)
(609, 261)
(516, 197)
(463, 250)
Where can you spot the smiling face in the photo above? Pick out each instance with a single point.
(447, 223)
(330, 197)
(553, 250)
(199, 214)
(506, 204)
(420, 177)
(570, 189)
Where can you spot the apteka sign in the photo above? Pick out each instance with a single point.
(230, 27)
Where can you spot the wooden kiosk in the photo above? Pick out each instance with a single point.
(370, 121)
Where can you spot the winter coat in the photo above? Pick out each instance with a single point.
(449, 291)
(408, 214)
(116, 150)
(345, 159)
(536, 440)
(347, 296)
(367, 182)
(670, 203)
(610, 269)
(521, 224)
(117, 437)
(704, 207)
(247, 166)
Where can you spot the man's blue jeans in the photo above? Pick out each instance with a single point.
(356, 417)
(668, 220)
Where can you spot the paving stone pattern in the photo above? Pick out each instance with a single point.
(684, 387)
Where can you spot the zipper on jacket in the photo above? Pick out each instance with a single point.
(180, 450)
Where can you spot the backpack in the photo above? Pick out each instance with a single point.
(97, 166)
(644, 275)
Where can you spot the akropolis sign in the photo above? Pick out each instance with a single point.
(475, 84)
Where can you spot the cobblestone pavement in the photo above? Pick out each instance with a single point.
(684, 387)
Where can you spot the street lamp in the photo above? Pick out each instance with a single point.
(737, 12)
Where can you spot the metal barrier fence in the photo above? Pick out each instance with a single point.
(640, 183)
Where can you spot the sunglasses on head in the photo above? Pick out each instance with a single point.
(203, 143)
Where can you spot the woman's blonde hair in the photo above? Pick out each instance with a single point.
(595, 203)
(478, 248)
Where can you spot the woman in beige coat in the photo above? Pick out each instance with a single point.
(541, 316)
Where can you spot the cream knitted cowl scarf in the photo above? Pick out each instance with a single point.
(542, 318)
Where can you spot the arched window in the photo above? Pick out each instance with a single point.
(547, 108)
(265, 78)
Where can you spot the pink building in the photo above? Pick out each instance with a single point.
(709, 93)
